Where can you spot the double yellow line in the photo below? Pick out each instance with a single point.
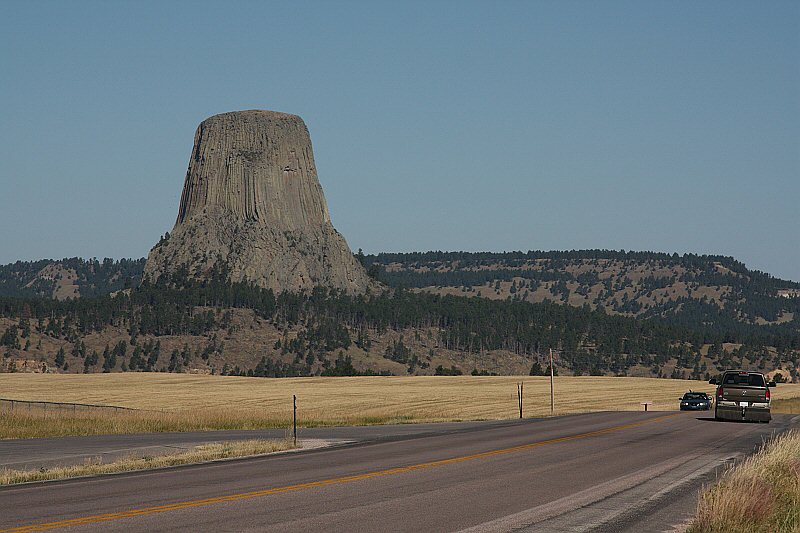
(314, 484)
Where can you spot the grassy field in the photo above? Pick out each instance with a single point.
(786, 405)
(191, 402)
(760, 495)
(205, 452)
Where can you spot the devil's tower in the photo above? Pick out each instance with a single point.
(253, 206)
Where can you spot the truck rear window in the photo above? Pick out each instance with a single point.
(752, 380)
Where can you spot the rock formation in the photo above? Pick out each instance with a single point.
(252, 204)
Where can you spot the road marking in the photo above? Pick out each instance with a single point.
(322, 483)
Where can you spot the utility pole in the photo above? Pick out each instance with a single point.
(294, 419)
(552, 392)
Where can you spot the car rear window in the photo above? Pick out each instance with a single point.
(753, 380)
(694, 396)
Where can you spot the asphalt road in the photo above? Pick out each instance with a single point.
(593, 472)
(32, 454)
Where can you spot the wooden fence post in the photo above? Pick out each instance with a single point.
(294, 418)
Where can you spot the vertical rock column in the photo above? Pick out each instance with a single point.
(252, 202)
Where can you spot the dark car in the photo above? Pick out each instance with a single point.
(742, 395)
(695, 401)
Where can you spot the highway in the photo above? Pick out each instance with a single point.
(592, 472)
(32, 454)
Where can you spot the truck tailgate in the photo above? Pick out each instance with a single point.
(737, 393)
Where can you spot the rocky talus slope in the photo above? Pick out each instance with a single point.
(253, 205)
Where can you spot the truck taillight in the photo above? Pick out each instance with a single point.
(767, 394)
(719, 392)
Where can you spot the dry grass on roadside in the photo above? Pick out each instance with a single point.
(38, 423)
(205, 452)
(759, 495)
(201, 402)
(786, 405)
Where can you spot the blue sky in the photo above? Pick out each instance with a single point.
(667, 126)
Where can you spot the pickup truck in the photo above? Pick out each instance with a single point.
(742, 395)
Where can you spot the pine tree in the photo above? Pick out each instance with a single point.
(10, 338)
(60, 358)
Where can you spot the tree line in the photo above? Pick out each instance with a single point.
(331, 321)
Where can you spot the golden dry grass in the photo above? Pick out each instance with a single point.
(204, 452)
(225, 402)
(786, 405)
(760, 495)
(38, 423)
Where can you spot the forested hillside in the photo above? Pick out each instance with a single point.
(69, 278)
(689, 288)
(716, 291)
(181, 325)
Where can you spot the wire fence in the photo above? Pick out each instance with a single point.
(8, 405)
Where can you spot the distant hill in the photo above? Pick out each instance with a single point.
(718, 291)
(689, 288)
(69, 278)
(185, 325)
(602, 312)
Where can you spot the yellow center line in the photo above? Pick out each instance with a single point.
(321, 483)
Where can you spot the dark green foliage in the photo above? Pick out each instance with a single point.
(400, 353)
(10, 338)
(586, 340)
(559, 259)
(360, 257)
(214, 347)
(753, 294)
(60, 358)
(268, 368)
(186, 355)
(78, 350)
(109, 359)
(94, 278)
(25, 328)
(136, 359)
(536, 369)
(90, 361)
(153, 352)
(144, 356)
(121, 349)
(174, 361)
(342, 367)
(452, 371)
(362, 339)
